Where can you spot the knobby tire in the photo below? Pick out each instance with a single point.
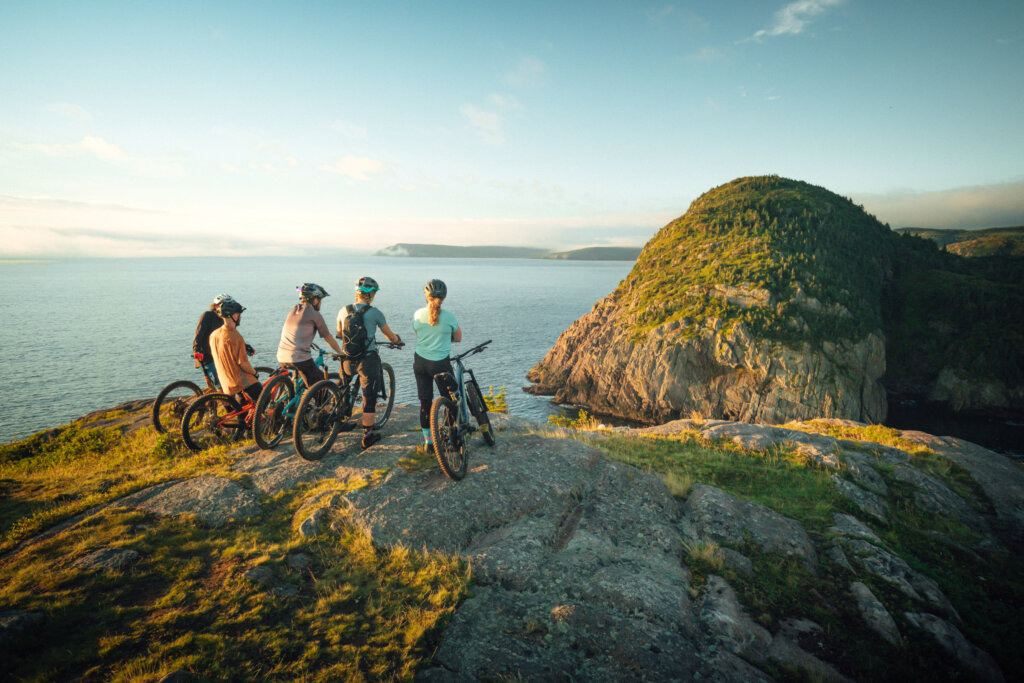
(172, 402)
(449, 447)
(385, 396)
(316, 420)
(270, 422)
(478, 407)
(206, 423)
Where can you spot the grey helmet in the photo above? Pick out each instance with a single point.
(310, 290)
(436, 288)
(229, 307)
(221, 298)
(367, 285)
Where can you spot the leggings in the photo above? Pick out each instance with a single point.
(425, 370)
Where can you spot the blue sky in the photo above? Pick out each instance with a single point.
(261, 128)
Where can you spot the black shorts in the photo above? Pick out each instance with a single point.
(368, 368)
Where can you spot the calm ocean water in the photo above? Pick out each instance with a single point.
(83, 335)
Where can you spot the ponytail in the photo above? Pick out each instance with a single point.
(434, 309)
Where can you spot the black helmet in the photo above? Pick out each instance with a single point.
(367, 285)
(435, 288)
(229, 307)
(310, 290)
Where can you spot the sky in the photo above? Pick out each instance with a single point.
(292, 128)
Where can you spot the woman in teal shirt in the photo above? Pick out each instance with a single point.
(435, 330)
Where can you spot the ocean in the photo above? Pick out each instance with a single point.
(87, 334)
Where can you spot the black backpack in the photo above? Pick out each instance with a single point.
(354, 339)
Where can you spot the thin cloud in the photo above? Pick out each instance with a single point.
(964, 208)
(792, 19)
(527, 72)
(357, 168)
(16, 202)
(349, 130)
(90, 145)
(67, 110)
(488, 124)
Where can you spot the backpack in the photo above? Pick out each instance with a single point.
(354, 339)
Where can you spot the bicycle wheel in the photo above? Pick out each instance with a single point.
(316, 420)
(271, 421)
(212, 420)
(171, 403)
(478, 407)
(448, 445)
(349, 388)
(385, 395)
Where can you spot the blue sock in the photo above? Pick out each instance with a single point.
(426, 434)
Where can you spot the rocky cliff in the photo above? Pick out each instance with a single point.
(772, 299)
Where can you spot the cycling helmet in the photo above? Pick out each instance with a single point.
(309, 291)
(367, 285)
(221, 298)
(436, 288)
(229, 307)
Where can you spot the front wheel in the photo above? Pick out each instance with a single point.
(449, 446)
(271, 420)
(212, 420)
(478, 407)
(316, 420)
(385, 396)
(172, 402)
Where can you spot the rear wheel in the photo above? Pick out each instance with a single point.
(385, 396)
(448, 444)
(316, 420)
(172, 402)
(349, 396)
(478, 407)
(212, 420)
(271, 421)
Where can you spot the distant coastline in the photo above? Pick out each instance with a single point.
(448, 251)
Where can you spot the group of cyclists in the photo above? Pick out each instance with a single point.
(219, 349)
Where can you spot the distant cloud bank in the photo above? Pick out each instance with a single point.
(985, 206)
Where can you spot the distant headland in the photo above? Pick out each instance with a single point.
(449, 251)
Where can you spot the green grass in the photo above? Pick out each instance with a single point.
(359, 612)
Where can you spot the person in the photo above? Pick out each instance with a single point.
(230, 354)
(435, 330)
(368, 366)
(301, 325)
(209, 321)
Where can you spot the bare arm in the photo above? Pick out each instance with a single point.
(457, 334)
(392, 337)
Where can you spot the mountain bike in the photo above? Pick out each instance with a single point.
(449, 415)
(327, 409)
(279, 401)
(216, 418)
(175, 398)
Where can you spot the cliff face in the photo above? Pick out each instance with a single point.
(774, 300)
(721, 371)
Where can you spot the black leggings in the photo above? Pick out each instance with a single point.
(425, 370)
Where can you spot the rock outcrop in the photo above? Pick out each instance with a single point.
(583, 566)
(772, 300)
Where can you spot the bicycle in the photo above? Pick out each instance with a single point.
(175, 398)
(279, 400)
(449, 416)
(327, 407)
(216, 419)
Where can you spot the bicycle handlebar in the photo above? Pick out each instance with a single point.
(476, 349)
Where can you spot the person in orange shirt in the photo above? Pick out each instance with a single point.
(234, 371)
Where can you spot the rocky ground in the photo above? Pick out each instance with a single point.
(579, 562)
